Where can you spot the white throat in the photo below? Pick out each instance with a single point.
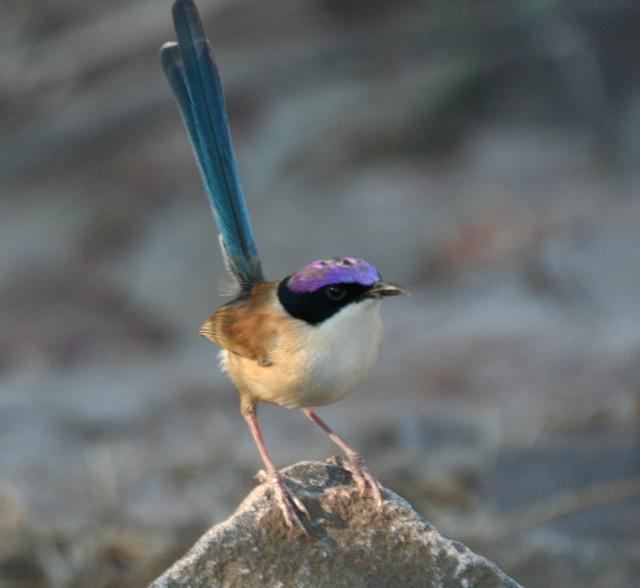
(341, 350)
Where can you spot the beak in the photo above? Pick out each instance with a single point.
(381, 289)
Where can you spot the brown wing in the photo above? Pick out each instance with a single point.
(243, 327)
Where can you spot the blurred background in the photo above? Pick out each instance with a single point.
(485, 154)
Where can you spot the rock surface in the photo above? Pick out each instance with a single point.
(353, 544)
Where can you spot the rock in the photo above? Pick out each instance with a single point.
(354, 544)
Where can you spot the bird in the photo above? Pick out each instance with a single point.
(298, 342)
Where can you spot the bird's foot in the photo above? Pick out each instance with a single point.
(288, 503)
(367, 485)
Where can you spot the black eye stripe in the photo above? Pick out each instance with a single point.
(316, 307)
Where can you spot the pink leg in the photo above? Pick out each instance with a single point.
(286, 500)
(364, 480)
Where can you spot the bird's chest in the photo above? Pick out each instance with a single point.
(312, 365)
(338, 354)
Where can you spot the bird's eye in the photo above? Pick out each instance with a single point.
(336, 293)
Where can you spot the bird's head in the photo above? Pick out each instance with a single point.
(323, 288)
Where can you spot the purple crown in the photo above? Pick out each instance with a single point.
(339, 270)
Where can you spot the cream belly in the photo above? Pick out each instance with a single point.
(312, 365)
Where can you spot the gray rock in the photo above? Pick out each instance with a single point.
(354, 544)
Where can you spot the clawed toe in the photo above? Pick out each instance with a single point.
(299, 504)
(365, 482)
(288, 503)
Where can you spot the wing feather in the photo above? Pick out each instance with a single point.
(245, 326)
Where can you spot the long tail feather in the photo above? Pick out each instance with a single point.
(193, 76)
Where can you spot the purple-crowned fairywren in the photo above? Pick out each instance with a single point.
(302, 341)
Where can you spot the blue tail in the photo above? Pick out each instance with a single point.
(193, 76)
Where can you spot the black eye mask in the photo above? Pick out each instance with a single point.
(316, 307)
